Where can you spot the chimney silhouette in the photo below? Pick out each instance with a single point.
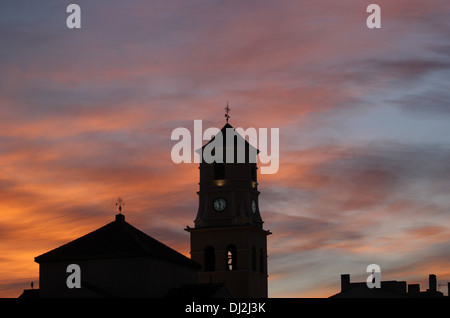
(432, 283)
(345, 282)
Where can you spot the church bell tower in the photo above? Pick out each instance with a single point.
(228, 239)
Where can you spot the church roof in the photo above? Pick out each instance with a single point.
(224, 134)
(117, 239)
(236, 145)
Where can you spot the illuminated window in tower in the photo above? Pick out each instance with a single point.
(231, 258)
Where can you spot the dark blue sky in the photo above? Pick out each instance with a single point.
(86, 116)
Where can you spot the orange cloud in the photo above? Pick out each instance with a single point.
(87, 118)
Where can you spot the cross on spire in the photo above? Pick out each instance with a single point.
(120, 203)
(227, 109)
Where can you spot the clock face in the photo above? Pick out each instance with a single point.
(220, 204)
(253, 206)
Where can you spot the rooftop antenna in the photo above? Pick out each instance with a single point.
(120, 203)
(227, 109)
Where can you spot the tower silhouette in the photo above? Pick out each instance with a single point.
(228, 239)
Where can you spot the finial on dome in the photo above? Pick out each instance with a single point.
(120, 203)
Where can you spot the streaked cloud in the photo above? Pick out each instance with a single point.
(86, 116)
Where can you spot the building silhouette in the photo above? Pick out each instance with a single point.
(228, 239)
(228, 247)
(116, 260)
(388, 289)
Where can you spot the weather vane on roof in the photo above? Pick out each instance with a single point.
(120, 203)
(227, 109)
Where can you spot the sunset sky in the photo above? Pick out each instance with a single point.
(86, 116)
